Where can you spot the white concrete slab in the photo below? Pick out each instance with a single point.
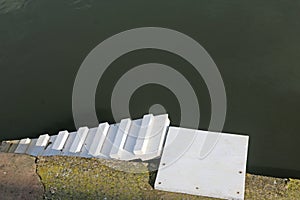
(37, 147)
(153, 130)
(31, 146)
(156, 137)
(221, 174)
(68, 144)
(144, 135)
(127, 153)
(23, 145)
(43, 140)
(120, 138)
(95, 140)
(108, 143)
(87, 143)
(133, 135)
(60, 140)
(49, 151)
(79, 140)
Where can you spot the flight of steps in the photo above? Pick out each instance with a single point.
(128, 140)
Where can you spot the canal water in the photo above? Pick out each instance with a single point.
(255, 45)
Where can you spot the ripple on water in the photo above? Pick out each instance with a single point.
(7, 6)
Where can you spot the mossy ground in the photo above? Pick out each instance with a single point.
(81, 178)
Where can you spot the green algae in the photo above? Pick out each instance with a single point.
(82, 178)
(293, 188)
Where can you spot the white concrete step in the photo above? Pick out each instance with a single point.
(60, 140)
(49, 151)
(23, 145)
(37, 146)
(120, 138)
(79, 140)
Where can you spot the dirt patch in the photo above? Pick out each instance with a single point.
(18, 178)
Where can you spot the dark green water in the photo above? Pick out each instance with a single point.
(255, 44)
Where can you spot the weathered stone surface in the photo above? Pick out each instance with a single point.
(81, 178)
(18, 178)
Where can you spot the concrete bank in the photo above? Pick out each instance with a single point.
(25, 177)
